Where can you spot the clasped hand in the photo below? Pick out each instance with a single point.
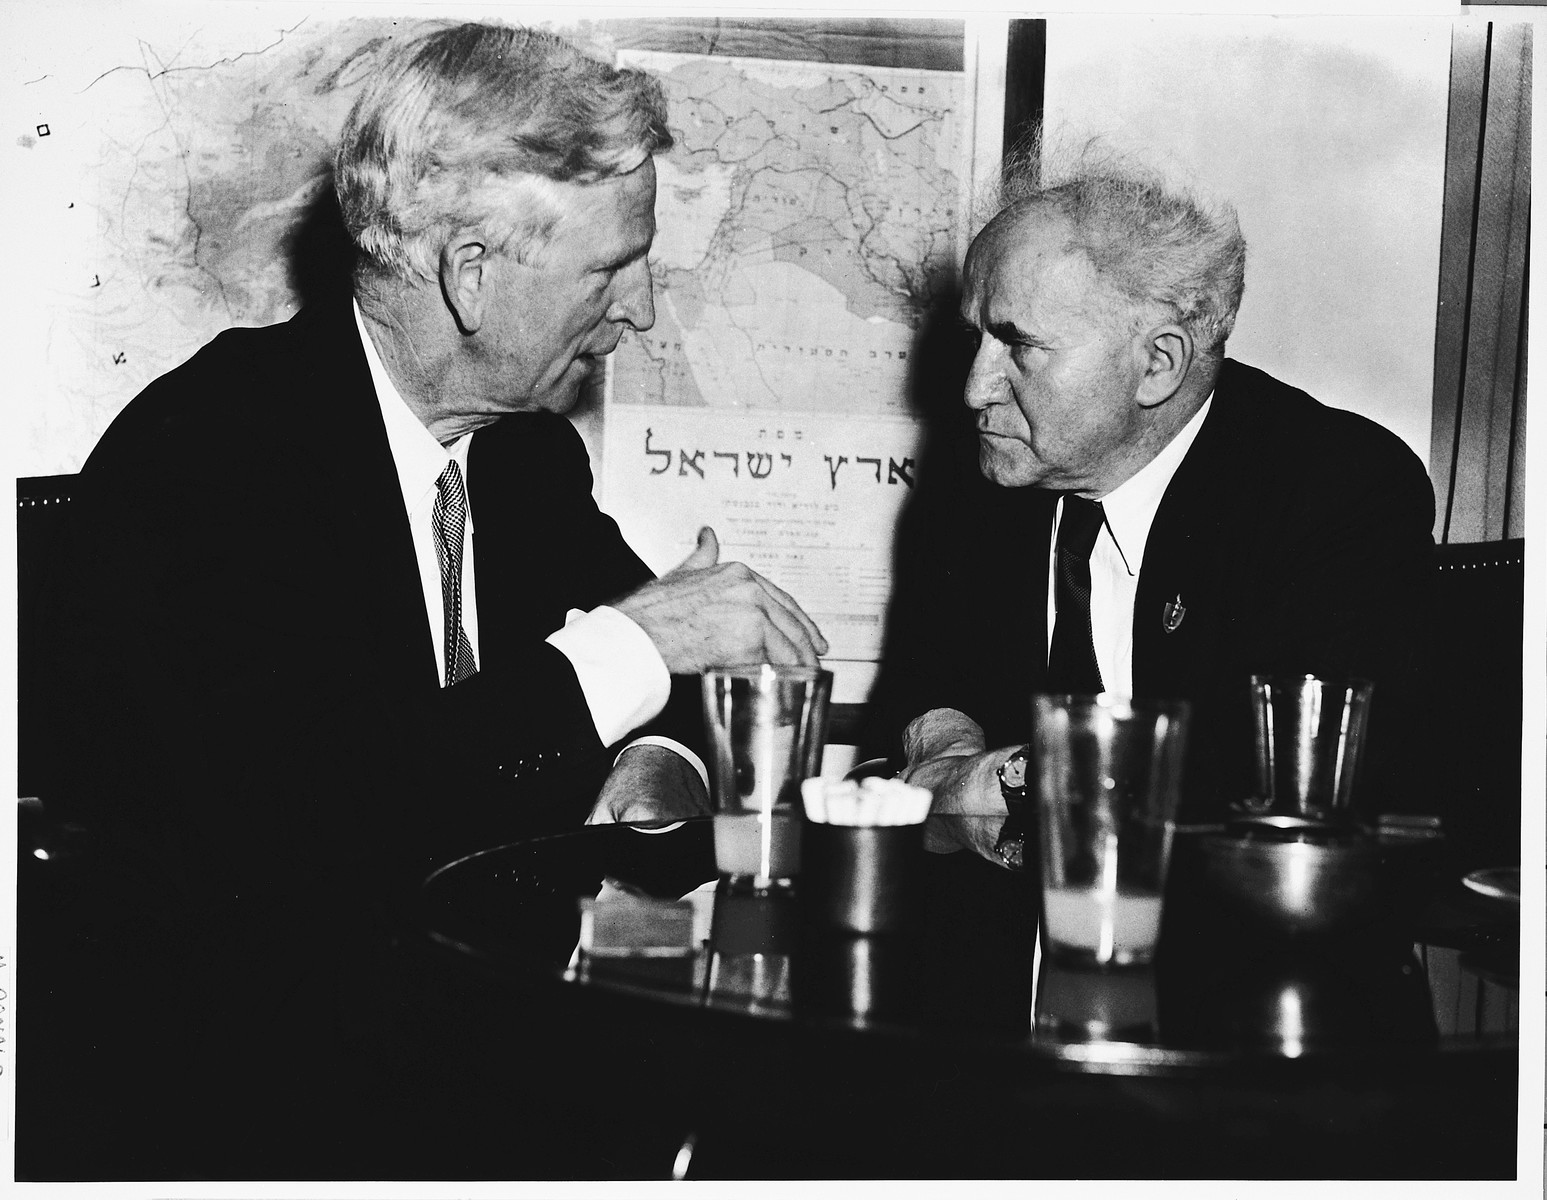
(705, 614)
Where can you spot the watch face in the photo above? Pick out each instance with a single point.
(1013, 773)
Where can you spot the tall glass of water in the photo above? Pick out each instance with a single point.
(767, 727)
(1108, 783)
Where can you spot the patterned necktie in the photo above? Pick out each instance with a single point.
(449, 516)
(1071, 659)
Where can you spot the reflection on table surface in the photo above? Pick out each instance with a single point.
(1221, 989)
(1235, 1056)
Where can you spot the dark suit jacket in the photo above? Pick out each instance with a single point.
(1297, 536)
(245, 582)
(259, 749)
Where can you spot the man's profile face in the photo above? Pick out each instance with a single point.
(555, 316)
(1058, 364)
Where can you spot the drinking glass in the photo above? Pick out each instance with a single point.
(1108, 773)
(767, 726)
(1310, 734)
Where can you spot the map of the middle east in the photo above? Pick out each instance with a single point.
(807, 227)
(182, 167)
(807, 221)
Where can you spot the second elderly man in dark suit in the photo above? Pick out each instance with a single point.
(1144, 516)
(1153, 518)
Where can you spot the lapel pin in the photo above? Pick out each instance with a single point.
(1171, 614)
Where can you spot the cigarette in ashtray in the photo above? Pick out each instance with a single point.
(871, 801)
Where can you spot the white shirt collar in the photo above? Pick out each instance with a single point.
(1131, 506)
(419, 458)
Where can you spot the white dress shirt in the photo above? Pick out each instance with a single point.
(621, 674)
(1119, 555)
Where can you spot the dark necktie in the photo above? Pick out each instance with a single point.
(1071, 659)
(449, 516)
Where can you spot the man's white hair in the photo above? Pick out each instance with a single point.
(1157, 245)
(473, 126)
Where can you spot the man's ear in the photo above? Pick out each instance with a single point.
(465, 263)
(1168, 351)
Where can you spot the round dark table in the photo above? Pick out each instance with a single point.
(779, 1050)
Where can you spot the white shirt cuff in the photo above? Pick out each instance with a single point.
(622, 675)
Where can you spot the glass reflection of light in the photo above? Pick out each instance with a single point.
(1291, 1023)
(1298, 881)
(1076, 1005)
(761, 982)
(1106, 947)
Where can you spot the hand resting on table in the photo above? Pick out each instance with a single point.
(946, 754)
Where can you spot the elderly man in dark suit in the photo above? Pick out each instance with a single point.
(340, 602)
(1152, 519)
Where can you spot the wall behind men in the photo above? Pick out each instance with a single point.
(1328, 134)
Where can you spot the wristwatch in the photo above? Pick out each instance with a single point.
(1011, 846)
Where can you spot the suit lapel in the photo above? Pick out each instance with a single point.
(1037, 521)
(351, 458)
(529, 570)
(496, 541)
(1181, 583)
